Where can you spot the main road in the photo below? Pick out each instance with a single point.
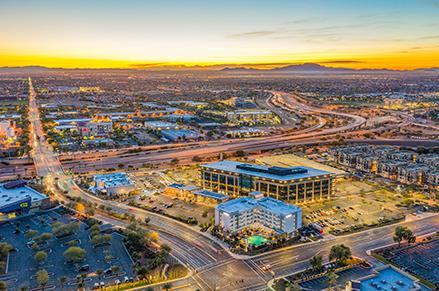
(214, 268)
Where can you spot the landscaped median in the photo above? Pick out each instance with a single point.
(176, 273)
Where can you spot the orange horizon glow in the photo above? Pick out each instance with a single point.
(213, 34)
(401, 61)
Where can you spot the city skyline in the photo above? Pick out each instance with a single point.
(143, 34)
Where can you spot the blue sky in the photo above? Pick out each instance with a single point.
(206, 32)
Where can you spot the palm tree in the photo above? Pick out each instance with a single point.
(24, 288)
(3, 286)
(167, 286)
(62, 281)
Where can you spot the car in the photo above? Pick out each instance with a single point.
(266, 267)
(102, 284)
(116, 282)
(96, 286)
(84, 268)
(126, 279)
(108, 271)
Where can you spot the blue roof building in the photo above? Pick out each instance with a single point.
(244, 212)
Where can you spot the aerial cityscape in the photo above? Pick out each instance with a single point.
(219, 145)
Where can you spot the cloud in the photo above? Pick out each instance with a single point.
(148, 65)
(434, 3)
(342, 62)
(253, 34)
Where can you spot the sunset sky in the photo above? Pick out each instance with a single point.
(399, 34)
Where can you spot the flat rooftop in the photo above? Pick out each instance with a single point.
(249, 203)
(274, 173)
(211, 194)
(113, 179)
(16, 194)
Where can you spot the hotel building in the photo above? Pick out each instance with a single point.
(258, 210)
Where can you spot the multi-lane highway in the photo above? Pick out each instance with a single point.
(212, 265)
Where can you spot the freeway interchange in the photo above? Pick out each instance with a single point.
(212, 266)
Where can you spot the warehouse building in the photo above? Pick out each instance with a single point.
(292, 184)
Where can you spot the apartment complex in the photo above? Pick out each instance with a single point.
(405, 167)
(292, 185)
(257, 210)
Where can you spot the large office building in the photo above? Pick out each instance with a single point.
(293, 184)
(257, 210)
(17, 199)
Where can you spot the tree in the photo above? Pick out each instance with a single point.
(165, 248)
(115, 269)
(24, 288)
(167, 286)
(75, 254)
(31, 233)
(403, 233)
(62, 281)
(3, 286)
(99, 272)
(399, 234)
(196, 159)
(42, 278)
(44, 237)
(5, 248)
(340, 253)
(101, 239)
(240, 153)
(40, 257)
(316, 262)
(295, 287)
(147, 220)
(331, 278)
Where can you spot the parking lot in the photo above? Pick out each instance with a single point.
(23, 267)
(354, 203)
(343, 277)
(162, 202)
(422, 260)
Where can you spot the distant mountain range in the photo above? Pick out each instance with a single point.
(290, 69)
(317, 68)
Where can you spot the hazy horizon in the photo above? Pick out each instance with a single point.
(259, 34)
